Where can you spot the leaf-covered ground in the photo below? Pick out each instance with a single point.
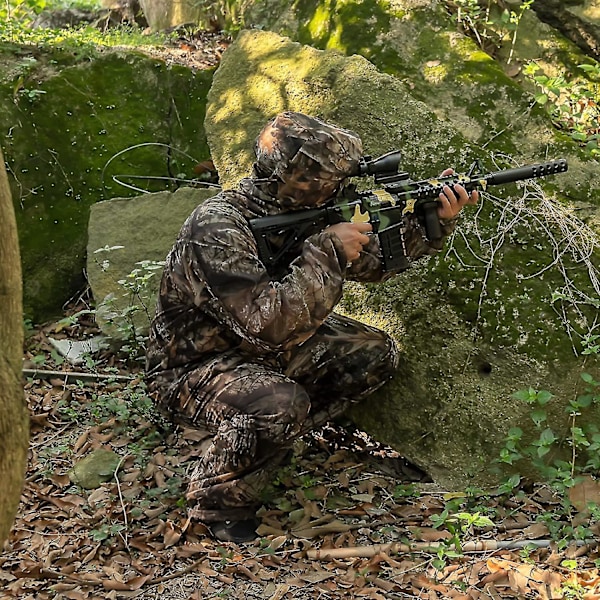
(346, 518)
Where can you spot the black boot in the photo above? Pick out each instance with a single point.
(234, 531)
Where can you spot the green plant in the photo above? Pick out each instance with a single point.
(28, 328)
(512, 20)
(105, 532)
(82, 42)
(405, 491)
(31, 95)
(24, 10)
(560, 460)
(459, 525)
(130, 312)
(490, 24)
(572, 102)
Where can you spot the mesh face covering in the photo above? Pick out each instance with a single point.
(304, 160)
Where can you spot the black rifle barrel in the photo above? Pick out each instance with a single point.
(528, 172)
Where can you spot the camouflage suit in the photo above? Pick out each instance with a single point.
(255, 359)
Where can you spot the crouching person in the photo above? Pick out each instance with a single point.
(255, 359)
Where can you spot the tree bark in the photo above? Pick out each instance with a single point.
(584, 34)
(14, 419)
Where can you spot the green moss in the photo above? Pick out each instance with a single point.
(63, 143)
(346, 26)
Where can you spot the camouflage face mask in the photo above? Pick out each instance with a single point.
(304, 159)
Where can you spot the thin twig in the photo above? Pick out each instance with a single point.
(75, 375)
(431, 547)
(123, 510)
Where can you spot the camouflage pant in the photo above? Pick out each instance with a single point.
(253, 412)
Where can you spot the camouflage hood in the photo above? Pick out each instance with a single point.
(301, 162)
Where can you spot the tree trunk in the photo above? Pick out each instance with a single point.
(585, 34)
(14, 420)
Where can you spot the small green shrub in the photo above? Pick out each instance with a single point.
(561, 460)
(572, 102)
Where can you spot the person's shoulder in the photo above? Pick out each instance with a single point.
(222, 208)
(224, 203)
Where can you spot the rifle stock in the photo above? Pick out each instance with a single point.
(279, 237)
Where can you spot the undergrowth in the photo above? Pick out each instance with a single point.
(569, 98)
(18, 16)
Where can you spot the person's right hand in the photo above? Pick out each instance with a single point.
(353, 237)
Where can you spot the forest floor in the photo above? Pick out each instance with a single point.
(347, 518)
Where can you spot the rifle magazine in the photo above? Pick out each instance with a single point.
(393, 250)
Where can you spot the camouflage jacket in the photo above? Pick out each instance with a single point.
(216, 299)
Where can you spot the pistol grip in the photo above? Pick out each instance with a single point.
(433, 228)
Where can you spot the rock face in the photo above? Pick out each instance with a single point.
(128, 238)
(503, 308)
(495, 313)
(419, 42)
(72, 130)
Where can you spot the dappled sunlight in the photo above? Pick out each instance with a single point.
(318, 26)
(435, 72)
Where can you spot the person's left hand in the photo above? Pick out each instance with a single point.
(453, 201)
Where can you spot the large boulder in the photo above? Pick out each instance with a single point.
(419, 42)
(74, 127)
(128, 239)
(504, 307)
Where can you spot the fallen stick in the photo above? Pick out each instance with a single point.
(74, 375)
(430, 547)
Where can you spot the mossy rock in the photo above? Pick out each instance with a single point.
(71, 128)
(419, 43)
(496, 312)
(95, 469)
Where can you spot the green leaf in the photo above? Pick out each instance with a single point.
(547, 437)
(579, 136)
(525, 395)
(569, 564)
(515, 433)
(543, 397)
(542, 451)
(538, 416)
(513, 481)
(585, 400)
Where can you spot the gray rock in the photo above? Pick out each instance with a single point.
(78, 126)
(128, 238)
(75, 351)
(95, 469)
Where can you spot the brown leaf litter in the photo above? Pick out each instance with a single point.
(346, 518)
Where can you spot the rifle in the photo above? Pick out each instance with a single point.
(279, 237)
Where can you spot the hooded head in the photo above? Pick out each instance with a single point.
(304, 161)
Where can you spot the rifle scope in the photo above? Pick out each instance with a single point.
(382, 167)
